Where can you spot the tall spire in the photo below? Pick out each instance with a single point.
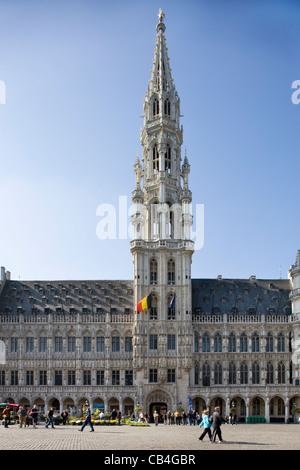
(161, 79)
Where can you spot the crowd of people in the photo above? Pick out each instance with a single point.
(31, 417)
(211, 424)
(179, 417)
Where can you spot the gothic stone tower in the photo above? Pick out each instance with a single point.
(162, 249)
(294, 275)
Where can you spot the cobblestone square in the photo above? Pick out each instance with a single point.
(153, 438)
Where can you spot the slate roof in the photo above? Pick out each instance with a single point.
(33, 297)
(241, 296)
(209, 296)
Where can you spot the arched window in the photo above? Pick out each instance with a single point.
(168, 159)
(243, 342)
(155, 159)
(255, 342)
(206, 375)
(280, 343)
(232, 373)
(171, 272)
(155, 107)
(218, 373)
(269, 342)
(232, 343)
(281, 373)
(244, 373)
(167, 107)
(256, 407)
(217, 343)
(280, 407)
(171, 307)
(255, 373)
(270, 373)
(205, 343)
(153, 271)
(277, 407)
(153, 308)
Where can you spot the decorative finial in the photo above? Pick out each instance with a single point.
(161, 16)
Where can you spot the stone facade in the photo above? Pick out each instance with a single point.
(229, 342)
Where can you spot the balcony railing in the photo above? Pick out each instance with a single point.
(66, 318)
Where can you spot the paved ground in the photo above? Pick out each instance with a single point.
(153, 438)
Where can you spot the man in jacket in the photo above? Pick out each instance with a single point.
(22, 413)
(217, 420)
(88, 419)
(50, 419)
(6, 414)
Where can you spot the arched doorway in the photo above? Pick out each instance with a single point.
(128, 406)
(218, 401)
(113, 404)
(277, 410)
(25, 403)
(161, 409)
(237, 408)
(68, 404)
(54, 403)
(160, 401)
(257, 407)
(199, 404)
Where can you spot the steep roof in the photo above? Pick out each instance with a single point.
(241, 296)
(67, 297)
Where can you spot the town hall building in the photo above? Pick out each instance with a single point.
(193, 342)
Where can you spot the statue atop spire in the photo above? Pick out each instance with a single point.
(161, 16)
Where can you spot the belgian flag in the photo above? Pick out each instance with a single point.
(144, 304)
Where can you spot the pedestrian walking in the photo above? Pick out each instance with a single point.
(88, 419)
(22, 413)
(217, 420)
(206, 424)
(50, 419)
(34, 413)
(155, 416)
(6, 414)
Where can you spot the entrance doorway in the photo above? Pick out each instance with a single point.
(161, 409)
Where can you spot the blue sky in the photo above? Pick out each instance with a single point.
(76, 73)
